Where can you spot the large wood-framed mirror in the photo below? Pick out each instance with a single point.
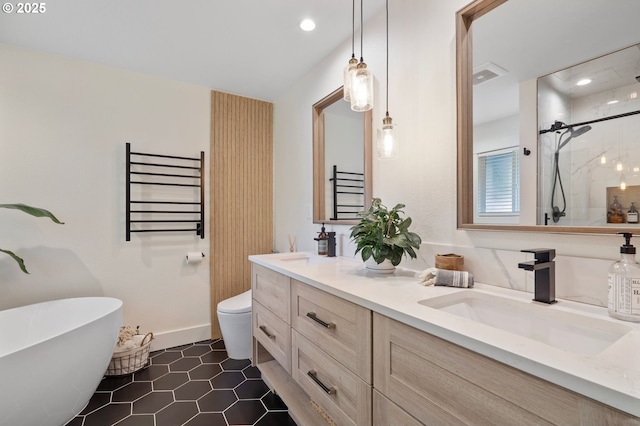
(528, 28)
(341, 160)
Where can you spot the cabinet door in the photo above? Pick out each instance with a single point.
(273, 333)
(386, 413)
(341, 328)
(441, 383)
(338, 392)
(272, 290)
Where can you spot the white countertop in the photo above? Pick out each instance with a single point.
(611, 377)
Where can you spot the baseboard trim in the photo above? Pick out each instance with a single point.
(170, 339)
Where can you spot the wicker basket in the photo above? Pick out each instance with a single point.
(132, 360)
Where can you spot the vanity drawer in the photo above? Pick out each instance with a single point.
(342, 395)
(273, 333)
(272, 290)
(341, 328)
(386, 413)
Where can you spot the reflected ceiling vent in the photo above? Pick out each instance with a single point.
(487, 71)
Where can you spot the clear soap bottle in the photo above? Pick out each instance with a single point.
(624, 284)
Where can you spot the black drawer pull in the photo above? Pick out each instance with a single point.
(312, 374)
(264, 330)
(313, 316)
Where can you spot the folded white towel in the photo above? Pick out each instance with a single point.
(444, 277)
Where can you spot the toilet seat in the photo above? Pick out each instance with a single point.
(239, 304)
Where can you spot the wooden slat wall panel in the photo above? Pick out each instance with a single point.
(241, 175)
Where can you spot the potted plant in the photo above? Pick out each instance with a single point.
(382, 236)
(33, 211)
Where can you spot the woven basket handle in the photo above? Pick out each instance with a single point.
(149, 335)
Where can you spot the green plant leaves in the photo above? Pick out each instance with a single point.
(33, 211)
(17, 259)
(384, 234)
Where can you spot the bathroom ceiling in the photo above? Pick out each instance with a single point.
(253, 48)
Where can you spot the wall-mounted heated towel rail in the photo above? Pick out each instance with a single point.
(348, 194)
(165, 193)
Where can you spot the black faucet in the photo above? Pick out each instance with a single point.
(544, 274)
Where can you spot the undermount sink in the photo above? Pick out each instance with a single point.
(551, 325)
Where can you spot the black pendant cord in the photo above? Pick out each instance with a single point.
(387, 85)
(361, 31)
(353, 29)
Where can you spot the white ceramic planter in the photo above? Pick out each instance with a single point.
(386, 267)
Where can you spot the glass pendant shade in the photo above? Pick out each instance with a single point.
(387, 145)
(348, 75)
(361, 88)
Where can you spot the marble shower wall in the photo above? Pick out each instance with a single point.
(589, 162)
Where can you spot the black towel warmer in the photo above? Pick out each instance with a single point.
(156, 221)
(348, 193)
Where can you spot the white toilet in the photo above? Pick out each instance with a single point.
(234, 316)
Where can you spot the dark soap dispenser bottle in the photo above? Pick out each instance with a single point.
(323, 242)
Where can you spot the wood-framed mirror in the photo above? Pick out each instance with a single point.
(612, 32)
(342, 160)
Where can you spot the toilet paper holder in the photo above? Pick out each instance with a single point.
(194, 257)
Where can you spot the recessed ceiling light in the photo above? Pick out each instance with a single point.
(583, 82)
(307, 25)
(615, 101)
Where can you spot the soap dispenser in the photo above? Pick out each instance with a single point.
(624, 284)
(323, 242)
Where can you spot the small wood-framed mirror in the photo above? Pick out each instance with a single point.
(341, 160)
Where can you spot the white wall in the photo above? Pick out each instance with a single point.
(63, 128)
(423, 101)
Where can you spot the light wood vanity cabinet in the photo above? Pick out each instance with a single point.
(441, 383)
(318, 359)
(324, 354)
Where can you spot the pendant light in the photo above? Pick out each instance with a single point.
(362, 80)
(353, 62)
(387, 138)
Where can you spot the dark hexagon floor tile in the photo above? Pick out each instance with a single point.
(166, 358)
(273, 402)
(205, 371)
(113, 383)
(153, 402)
(179, 348)
(170, 381)
(176, 413)
(151, 373)
(131, 392)
(227, 380)
(235, 364)
(207, 419)
(137, 420)
(184, 364)
(218, 344)
(245, 412)
(252, 389)
(108, 415)
(196, 350)
(252, 372)
(214, 357)
(77, 421)
(217, 401)
(277, 418)
(193, 390)
(99, 399)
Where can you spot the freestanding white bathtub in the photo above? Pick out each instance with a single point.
(53, 356)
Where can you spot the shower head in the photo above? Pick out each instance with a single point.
(572, 134)
(579, 132)
(638, 78)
